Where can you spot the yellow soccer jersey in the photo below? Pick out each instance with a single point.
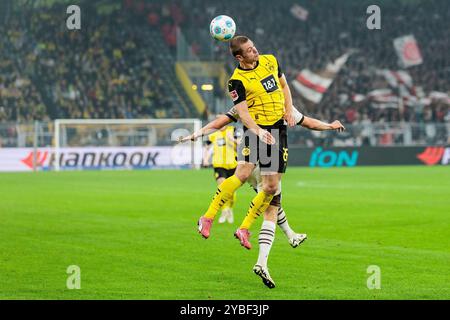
(224, 149)
(261, 88)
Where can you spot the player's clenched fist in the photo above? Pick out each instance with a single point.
(186, 138)
(337, 125)
(266, 137)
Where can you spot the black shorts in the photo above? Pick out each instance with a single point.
(271, 158)
(223, 173)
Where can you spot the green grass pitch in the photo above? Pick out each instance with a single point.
(133, 235)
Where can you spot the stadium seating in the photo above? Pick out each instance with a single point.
(122, 64)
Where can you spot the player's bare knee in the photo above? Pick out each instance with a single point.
(270, 188)
(242, 176)
(243, 172)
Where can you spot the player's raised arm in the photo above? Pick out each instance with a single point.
(238, 95)
(218, 123)
(315, 124)
(249, 123)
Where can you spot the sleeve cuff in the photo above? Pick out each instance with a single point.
(232, 118)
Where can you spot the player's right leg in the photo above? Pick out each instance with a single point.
(223, 194)
(258, 205)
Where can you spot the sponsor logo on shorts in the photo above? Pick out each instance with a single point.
(285, 154)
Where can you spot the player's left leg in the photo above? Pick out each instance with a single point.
(262, 200)
(258, 205)
(295, 239)
(272, 160)
(266, 238)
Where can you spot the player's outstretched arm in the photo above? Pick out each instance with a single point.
(217, 124)
(315, 124)
(249, 123)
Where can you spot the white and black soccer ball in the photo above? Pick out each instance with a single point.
(222, 28)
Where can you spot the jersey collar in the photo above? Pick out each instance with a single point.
(240, 68)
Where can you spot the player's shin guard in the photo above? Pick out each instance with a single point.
(259, 205)
(223, 194)
(232, 201)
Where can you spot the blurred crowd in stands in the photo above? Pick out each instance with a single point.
(105, 70)
(331, 29)
(108, 69)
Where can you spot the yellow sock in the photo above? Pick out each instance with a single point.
(233, 200)
(259, 204)
(230, 203)
(223, 194)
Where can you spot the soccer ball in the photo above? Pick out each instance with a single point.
(222, 28)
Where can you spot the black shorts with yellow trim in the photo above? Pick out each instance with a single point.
(271, 158)
(223, 173)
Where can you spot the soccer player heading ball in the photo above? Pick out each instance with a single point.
(258, 85)
(263, 100)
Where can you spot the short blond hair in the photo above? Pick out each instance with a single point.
(235, 44)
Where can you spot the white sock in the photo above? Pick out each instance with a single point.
(283, 224)
(266, 237)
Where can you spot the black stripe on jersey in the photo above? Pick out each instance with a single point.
(231, 117)
(280, 73)
(256, 66)
(262, 106)
(257, 74)
(273, 103)
(265, 66)
(301, 120)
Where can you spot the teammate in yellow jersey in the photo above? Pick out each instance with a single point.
(224, 161)
(263, 101)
